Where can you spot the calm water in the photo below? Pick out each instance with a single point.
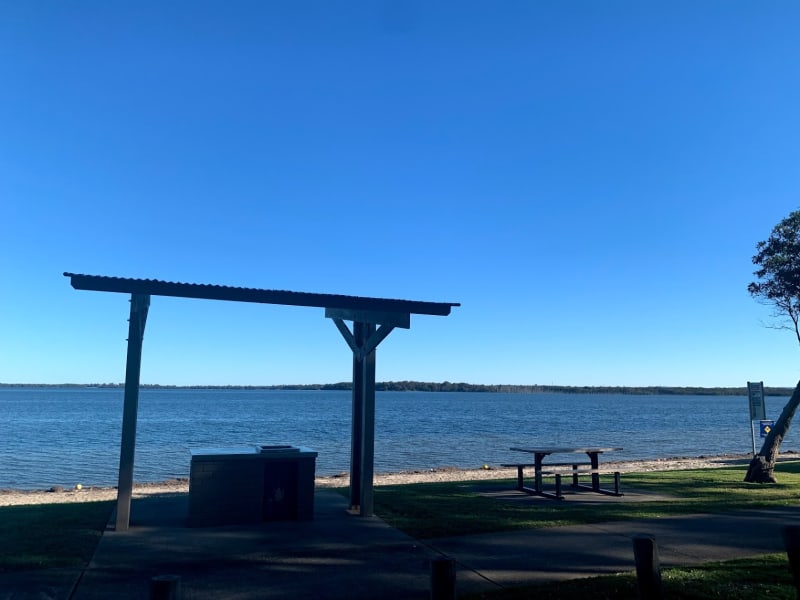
(53, 436)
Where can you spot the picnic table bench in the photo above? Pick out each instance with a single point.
(556, 470)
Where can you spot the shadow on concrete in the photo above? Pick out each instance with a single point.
(334, 556)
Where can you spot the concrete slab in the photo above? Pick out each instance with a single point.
(335, 556)
(555, 554)
(693, 539)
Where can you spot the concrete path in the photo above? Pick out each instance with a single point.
(521, 557)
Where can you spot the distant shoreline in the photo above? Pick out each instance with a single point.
(446, 386)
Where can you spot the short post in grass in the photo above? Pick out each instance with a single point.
(443, 578)
(166, 587)
(648, 567)
(791, 541)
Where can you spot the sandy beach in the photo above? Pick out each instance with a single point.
(181, 486)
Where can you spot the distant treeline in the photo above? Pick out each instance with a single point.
(447, 386)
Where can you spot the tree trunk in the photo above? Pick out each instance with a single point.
(762, 466)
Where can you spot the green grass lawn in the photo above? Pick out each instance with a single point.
(50, 535)
(430, 510)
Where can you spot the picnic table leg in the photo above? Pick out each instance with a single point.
(537, 472)
(595, 476)
(520, 484)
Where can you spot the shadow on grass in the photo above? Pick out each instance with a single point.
(50, 535)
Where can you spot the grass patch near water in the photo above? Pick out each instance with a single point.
(430, 510)
(50, 535)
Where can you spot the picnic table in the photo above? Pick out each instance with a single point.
(578, 468)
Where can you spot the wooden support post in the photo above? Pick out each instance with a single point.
(443, 578)
(140, 304)
(368, 430)
(356, 435)
(363, 341)
(648, 567)
(791, 542)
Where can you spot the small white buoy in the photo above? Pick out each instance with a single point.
(79, 487)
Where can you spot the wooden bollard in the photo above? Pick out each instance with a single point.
(648, 567)
(791, 541)
(165, 587)
(443, 578)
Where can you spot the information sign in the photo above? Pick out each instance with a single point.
(766, 426)
(755, 391)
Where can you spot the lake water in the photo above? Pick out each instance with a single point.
(64, 436)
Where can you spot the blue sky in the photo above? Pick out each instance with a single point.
(588, 180)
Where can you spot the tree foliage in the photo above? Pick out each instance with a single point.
(778, 273)
(778, 284)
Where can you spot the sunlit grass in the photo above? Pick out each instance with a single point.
(429, 510)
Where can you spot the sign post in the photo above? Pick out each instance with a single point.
(758, 410)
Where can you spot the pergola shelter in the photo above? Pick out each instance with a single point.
(372, 320)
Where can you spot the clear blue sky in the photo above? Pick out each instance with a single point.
(588, 179)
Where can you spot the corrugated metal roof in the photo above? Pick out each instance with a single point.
(155, 287)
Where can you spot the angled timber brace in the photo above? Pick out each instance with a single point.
(369, 329)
